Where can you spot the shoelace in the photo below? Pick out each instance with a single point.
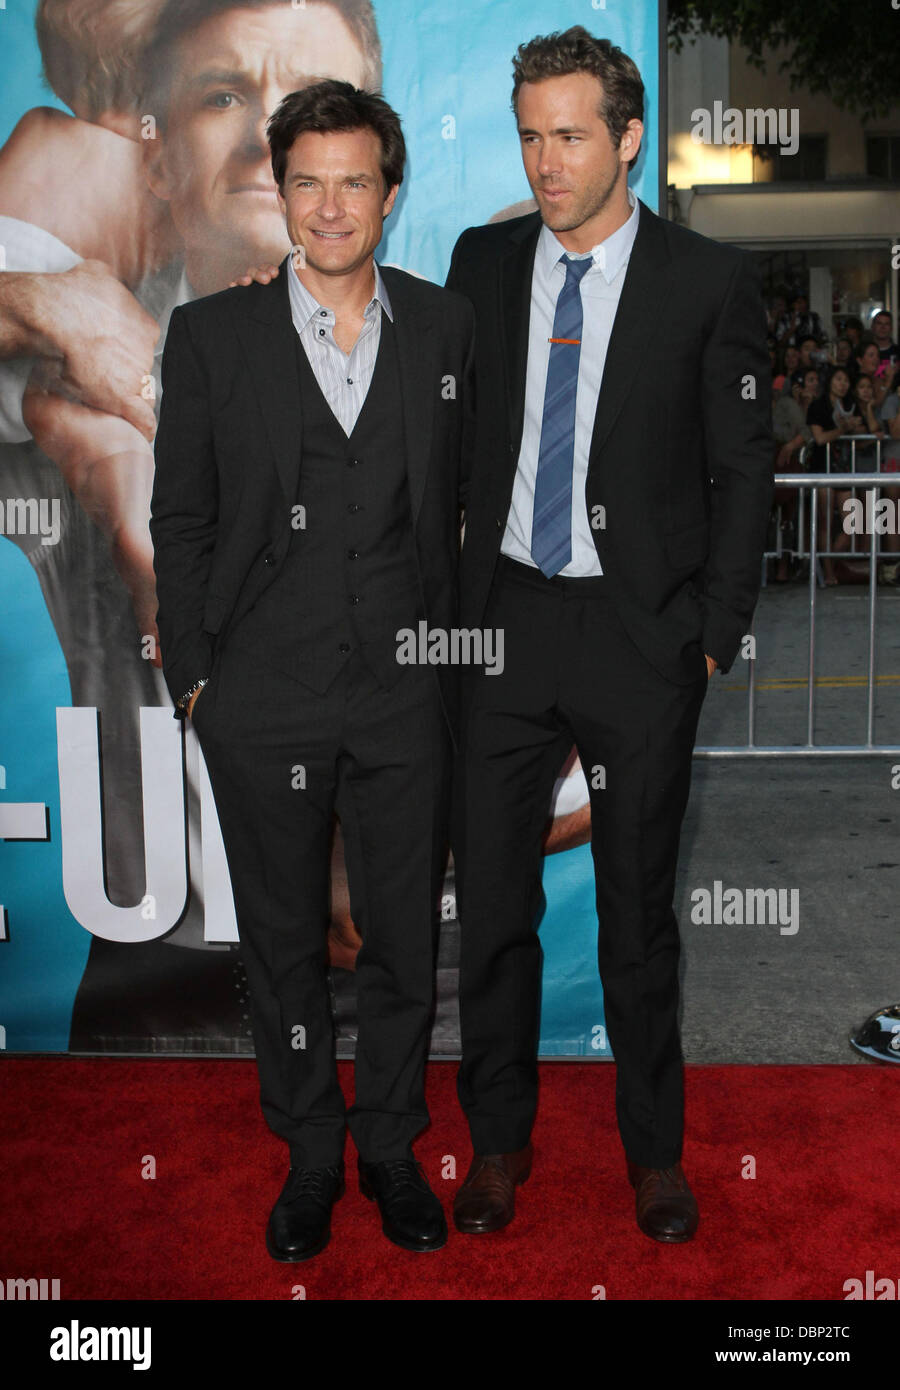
(402, 1170)
(312, 1182)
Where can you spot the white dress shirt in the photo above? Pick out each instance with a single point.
(601, 288)
(343, 380)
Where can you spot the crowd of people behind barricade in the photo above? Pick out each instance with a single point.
(835, 408)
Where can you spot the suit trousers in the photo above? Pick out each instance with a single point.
(281, 759)
(571, 675)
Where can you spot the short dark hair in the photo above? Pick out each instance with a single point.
(575, 50)
(180, 17)
(333, 105)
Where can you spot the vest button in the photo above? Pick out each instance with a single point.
(351, 463)
(354, 598)
(352, 554)
(343, 648)
(353, 507)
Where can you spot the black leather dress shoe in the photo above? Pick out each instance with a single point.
(300, 1224)
(411, 1215)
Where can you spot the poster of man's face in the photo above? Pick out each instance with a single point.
(210, 159)
(133, 155)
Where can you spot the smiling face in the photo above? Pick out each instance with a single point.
(212, 161)
(577, 174)
(335, 200)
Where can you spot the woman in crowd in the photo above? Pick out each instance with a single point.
(864, 405)
(788, 362)
(869, 363)
(791, 432)
(832, 418)
(888, 415)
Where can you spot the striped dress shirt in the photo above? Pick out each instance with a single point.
(343, 380)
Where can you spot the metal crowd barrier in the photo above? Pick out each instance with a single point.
(812, 482)
(803, 454)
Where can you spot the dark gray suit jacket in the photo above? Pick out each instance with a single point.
(228, 451)
(681, 455)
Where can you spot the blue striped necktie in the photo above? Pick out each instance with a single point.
(551, 527)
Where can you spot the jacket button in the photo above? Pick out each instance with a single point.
(354, 598)
(352, 554)
(343, 648)
(270, 558)
(353, 507)
(499, 524)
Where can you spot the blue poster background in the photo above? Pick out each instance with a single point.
(448, 72)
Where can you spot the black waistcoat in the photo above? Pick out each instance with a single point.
(349, 579)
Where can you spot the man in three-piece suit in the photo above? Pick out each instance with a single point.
(620, 490)
(306, 508)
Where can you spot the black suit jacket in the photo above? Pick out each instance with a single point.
(681, 453)
(228, 451)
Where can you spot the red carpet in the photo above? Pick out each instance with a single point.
(73, 1205)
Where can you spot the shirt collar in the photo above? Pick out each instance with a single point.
(608, 256)
(304, 305)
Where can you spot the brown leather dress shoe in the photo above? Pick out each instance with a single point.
(487, 1199)
(666, 1206)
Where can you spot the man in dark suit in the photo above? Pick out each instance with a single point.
(620, 492)
(305, 511)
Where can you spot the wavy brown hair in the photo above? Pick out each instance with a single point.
(575, 50)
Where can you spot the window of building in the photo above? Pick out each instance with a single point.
(808, 165)
(883, 157)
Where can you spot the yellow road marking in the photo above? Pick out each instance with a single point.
(800, 683)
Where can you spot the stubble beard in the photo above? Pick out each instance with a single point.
(593, 201)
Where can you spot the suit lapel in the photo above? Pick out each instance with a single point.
(515, 310)
(420, 377)
(268, 338)
(638, 317)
